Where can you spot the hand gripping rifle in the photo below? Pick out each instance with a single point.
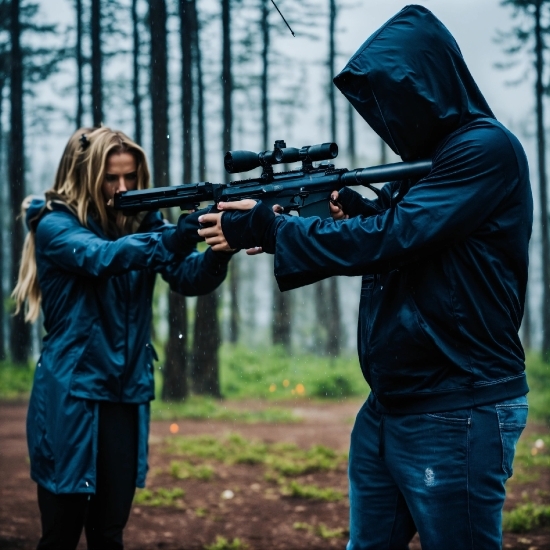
(306, 190)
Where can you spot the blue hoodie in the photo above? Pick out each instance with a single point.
(444, 264)
(96, 301)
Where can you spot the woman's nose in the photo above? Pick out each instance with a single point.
(122, 185)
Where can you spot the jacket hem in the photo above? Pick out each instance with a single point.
(453, 399)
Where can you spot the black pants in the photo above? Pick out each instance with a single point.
(104, 514)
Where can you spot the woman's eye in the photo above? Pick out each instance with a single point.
(111, 178)
(132, 176)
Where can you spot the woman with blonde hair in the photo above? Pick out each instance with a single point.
(91, 270)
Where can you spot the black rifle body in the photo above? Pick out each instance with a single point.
(306, 191)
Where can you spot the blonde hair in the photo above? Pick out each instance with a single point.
(78, 185)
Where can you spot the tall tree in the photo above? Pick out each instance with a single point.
(96, 64)
(136, 94)
(3, 78)
(187, 32)
(206, 338)
(175, 366)
(79, 58)
(532, 36)
(20, 332)
(331, 292)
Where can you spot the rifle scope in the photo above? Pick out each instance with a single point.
(243, 161)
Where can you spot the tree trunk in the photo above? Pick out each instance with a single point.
(206, 340)
(281, 333)
(186, 43)
(79, 64)
(265, 73)
(333, 319)
(351, 137)
(20, 332)
(2, 208)
(197, 61)
(174, 387)
(176, 355)
(136, 97)
(206, 343)
(97, 83)
(383, 152)
(543, 198)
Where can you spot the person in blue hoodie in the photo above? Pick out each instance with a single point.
(444, 265)
(92, 270)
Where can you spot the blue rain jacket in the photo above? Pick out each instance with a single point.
(444, 265)
(96, 300)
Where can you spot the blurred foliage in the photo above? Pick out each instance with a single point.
(223, 544)
(15, 381)
(299, 490)
(321, 530)
(538, 378)
(207, 408)
(276, 374)
(526, 517)
(281, 459)
(160, 497)
(186, 470)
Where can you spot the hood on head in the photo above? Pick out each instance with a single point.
(411, 84)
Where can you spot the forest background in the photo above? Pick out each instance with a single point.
(191, 79)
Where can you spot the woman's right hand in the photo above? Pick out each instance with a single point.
(336, 210)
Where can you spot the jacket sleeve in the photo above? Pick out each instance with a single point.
(66, 243)
(471, 176)
(196, 274)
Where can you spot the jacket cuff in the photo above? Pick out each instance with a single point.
(217, 261)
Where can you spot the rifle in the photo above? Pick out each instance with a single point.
(306, 190)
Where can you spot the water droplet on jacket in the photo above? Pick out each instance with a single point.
(180, 336)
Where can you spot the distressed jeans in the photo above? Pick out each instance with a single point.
(441, 474)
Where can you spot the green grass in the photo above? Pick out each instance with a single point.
(186, 470)
(526, 517)
(160, 497)
(281, 459)
(320, 530)
(15, 381)
(538, 378)
(272, 373)
(299, 490)
(206, 408)
(223, 544)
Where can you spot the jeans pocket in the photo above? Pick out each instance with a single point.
(512, 418)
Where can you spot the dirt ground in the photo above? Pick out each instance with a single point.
(258, 514)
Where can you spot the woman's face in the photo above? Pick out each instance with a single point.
(120, 175)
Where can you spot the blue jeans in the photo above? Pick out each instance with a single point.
(441, 474)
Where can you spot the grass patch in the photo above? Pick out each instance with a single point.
(204, 408)
(320, 530)
(160, 497)
(538, 375)
(223, 544)
(299, 490)
(284, 459)
(273, 373)
(15, 381)
(186, 470)
(526, 517)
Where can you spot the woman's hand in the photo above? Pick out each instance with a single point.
(213, 233)
(335, 207)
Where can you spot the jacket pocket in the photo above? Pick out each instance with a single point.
(512, 418)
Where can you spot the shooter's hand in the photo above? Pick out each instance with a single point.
(336, 209)
(241, 224)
